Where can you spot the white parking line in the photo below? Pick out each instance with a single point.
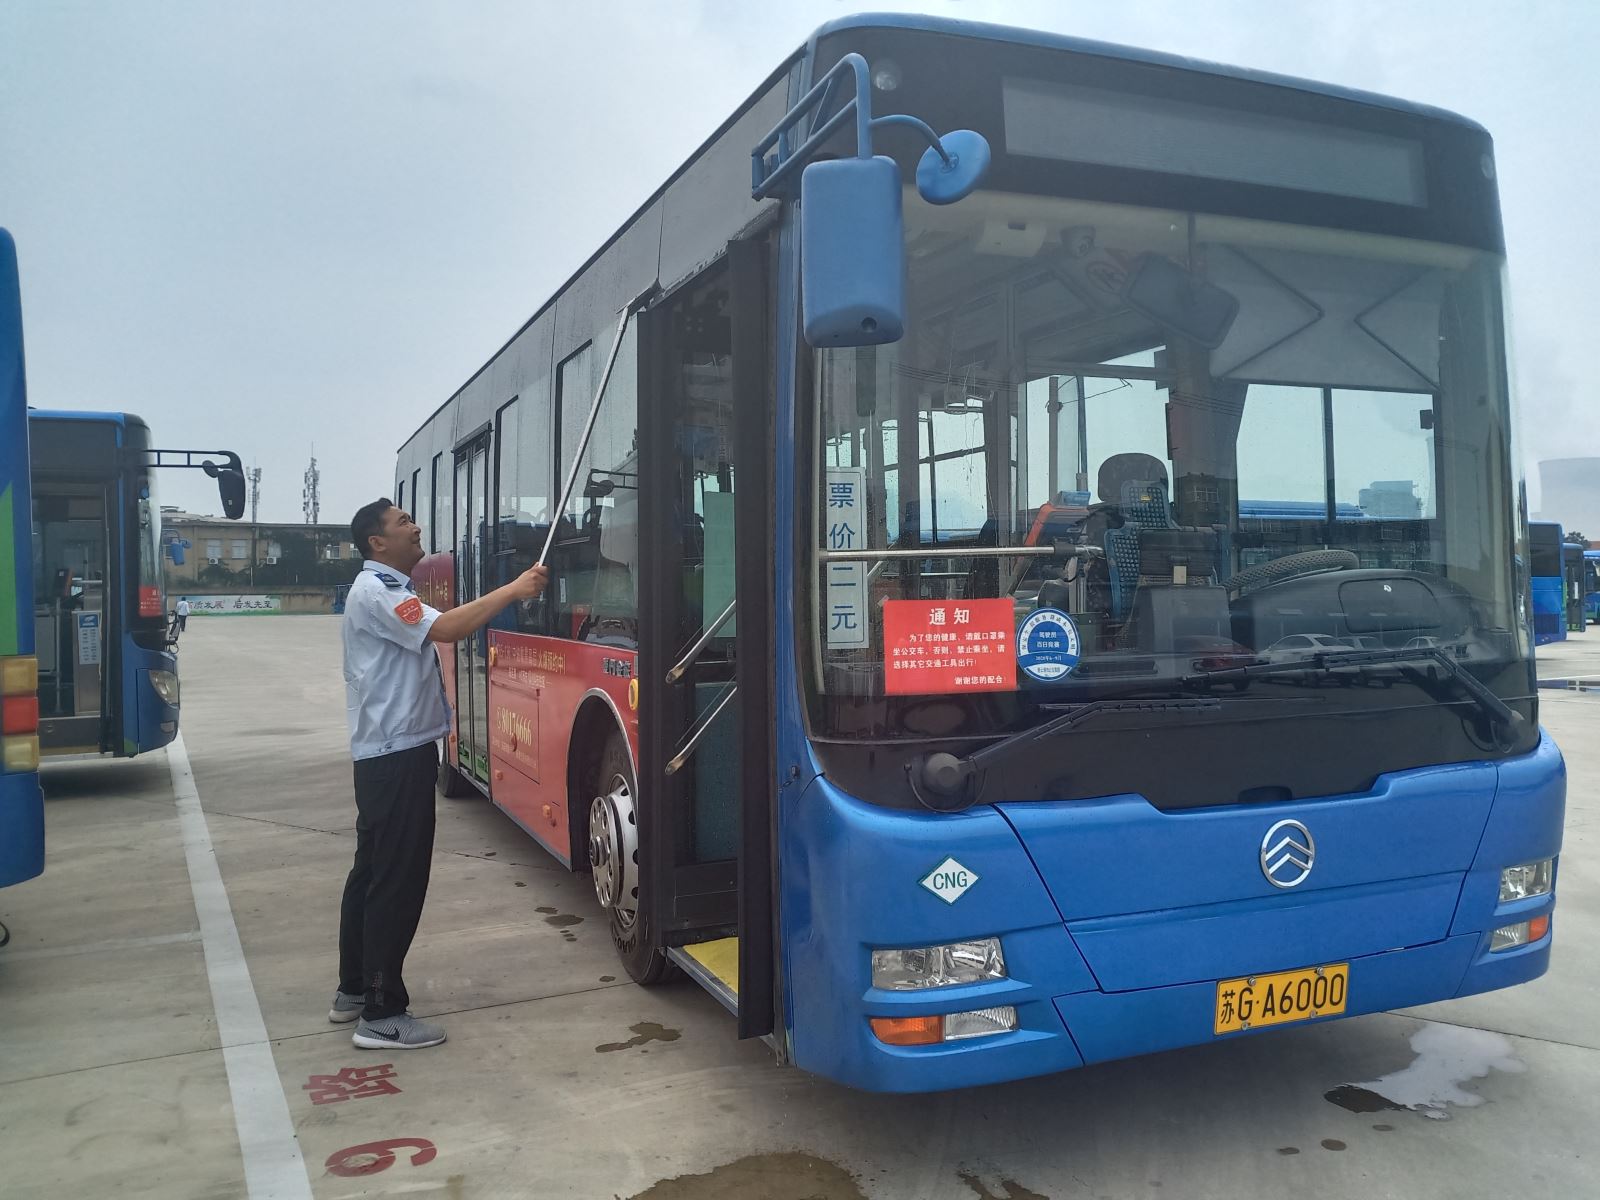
(273, 1166)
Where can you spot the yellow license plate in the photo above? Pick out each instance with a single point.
(1260, 1000)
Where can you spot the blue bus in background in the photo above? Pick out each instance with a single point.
(86, 662)
(933, 802)
(21, 802)
(107, 668)
(1548, 571)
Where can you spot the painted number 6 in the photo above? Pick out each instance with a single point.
(372, 1157)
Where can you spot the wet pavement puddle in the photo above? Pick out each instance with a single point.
(1447, 1056)
(783, 1176)
(644, 1031)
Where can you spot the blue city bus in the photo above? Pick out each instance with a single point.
(911, 675)
(21, 802)
(106, 650)
(1547, 567)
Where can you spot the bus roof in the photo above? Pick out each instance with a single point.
(954, 27)
(1060, 41)
(62, 414)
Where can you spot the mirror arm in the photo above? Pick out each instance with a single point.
(152, 459)
(767, 174)
(921, 127)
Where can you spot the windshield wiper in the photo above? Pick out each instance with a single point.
(945, 782)
(1333, 662)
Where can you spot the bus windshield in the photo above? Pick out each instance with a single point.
(1210, 441)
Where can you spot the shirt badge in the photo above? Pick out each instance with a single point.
(409, 611)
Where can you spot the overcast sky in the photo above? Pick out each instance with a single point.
(267, 227)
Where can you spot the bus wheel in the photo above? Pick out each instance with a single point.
(614, 861)
(453, 785)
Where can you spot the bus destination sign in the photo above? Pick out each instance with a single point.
(940, 646)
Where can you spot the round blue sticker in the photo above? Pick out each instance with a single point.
(1047, 645)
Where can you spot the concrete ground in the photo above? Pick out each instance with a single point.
(560, 1079)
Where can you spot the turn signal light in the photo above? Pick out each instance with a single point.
(1523, 933)
(19, 675)
(909, 1031)
(944, 1027)
(19, 714)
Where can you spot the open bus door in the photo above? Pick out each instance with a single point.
(705, 603)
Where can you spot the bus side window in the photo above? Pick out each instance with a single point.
(522, 488)
(601, 599)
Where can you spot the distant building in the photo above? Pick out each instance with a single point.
(1391, 500)
(1569, 492)
(255, 567)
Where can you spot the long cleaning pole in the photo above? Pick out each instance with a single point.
(588, 426)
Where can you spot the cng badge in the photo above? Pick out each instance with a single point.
(949, 880)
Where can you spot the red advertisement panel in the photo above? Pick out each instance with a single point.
(942, 646)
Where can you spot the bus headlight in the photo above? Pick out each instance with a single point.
(977, 961)
(166, 686)
(1528, 880)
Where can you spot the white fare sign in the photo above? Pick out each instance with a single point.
(844, 517)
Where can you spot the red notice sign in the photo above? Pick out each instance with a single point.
(939, 646)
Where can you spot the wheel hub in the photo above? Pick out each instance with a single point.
(614, 851)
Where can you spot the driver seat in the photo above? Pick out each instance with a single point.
(1133, 494)
(1149, 545)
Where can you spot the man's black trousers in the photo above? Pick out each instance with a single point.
(384, 893)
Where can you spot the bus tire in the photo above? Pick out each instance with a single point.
(453, 785)
(614, 850)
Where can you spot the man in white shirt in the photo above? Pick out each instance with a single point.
(395, 702)
(183, 613)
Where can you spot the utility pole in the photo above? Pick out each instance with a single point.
(255, 521)
(310, 500)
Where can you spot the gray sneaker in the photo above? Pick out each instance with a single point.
(346, 1008)
(403, 1032)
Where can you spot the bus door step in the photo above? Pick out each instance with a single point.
(714, 966)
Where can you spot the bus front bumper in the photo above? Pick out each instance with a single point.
(1089, 985)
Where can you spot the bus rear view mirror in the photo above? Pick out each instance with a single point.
(230, 485)
(852, 247)
(852, 252)
(1178, 301)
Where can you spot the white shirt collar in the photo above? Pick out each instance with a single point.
(386, 569)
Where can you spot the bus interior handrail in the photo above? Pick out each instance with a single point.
(936, 552)
(675, 764)
(694, 651)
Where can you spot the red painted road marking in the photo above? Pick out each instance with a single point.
(352, 1083)
(371, 1157)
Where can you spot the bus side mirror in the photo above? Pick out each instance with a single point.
(852, 240)
(230, 485)
(852, 252)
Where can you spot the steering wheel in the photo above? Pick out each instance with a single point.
(1312, 562)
